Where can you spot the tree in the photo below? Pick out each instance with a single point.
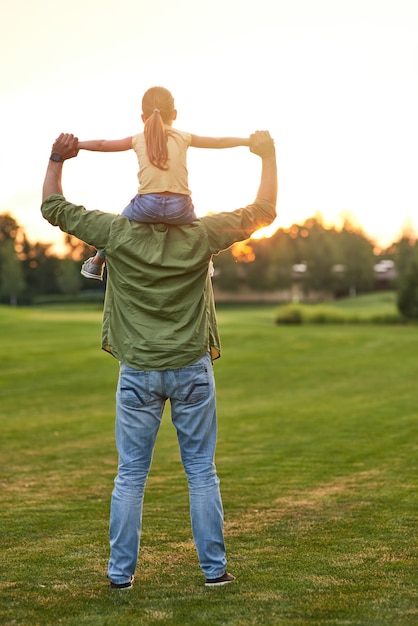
(281, 252)
(41, 268)
(76, 249)
(228, 273)
(403, 252)
(69, 277)
(356, 255)
(318, 253)
(407, 297)
(8, 228)
(12, 282)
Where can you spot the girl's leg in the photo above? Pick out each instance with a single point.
(178, 209)
(128, 211)
(99, 258)
(156, 208)
(145, 208)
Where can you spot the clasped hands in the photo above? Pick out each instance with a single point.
(261, 143)
(66, 145)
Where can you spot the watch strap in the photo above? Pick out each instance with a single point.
(56, 157)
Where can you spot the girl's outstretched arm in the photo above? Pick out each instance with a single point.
(106, 145)
(219, 142)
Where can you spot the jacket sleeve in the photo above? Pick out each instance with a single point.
(225, 229)
(92, 227)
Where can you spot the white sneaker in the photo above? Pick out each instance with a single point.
(89, 269)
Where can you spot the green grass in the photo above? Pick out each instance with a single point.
(316, 455)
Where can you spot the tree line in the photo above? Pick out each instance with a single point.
(29, 270)
(321, 260)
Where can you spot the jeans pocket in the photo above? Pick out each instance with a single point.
(134, 390)
(193, 383)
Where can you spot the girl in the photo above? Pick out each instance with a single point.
(163, 193)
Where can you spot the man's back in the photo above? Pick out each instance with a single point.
(159, 311)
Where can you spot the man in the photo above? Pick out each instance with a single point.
(159, 321)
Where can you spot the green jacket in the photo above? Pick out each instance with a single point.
(159, 309)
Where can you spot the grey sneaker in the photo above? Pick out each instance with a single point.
(222, 580)
(127, 585)
(89, 269)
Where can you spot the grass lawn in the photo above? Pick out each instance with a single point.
(317, 459)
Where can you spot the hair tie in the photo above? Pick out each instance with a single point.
(156, 111)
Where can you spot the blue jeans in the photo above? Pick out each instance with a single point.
(154, 208)
(140, 400)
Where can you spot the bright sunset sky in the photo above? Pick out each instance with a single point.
(334, 81)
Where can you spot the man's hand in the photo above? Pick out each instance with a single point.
(262, 144)
(66, 145)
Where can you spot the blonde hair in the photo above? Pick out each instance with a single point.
(158, 109)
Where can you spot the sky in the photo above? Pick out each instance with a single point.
(334, 81)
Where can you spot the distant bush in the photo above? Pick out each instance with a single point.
(387, 318)
(322, 314)
(328, 315)
(291, 314)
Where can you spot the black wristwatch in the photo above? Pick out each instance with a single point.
(56, 157)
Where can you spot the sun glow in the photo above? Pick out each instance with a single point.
(267, 231)
(339, 96)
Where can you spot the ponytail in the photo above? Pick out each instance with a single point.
(158, 109)
(156, 140)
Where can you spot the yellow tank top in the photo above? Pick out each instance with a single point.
(175, 178)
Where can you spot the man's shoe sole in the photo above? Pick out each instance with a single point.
(122, 586)
(218, 582)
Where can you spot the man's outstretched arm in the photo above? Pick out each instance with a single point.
(64, 147)
(262, 144)
(93, 227)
